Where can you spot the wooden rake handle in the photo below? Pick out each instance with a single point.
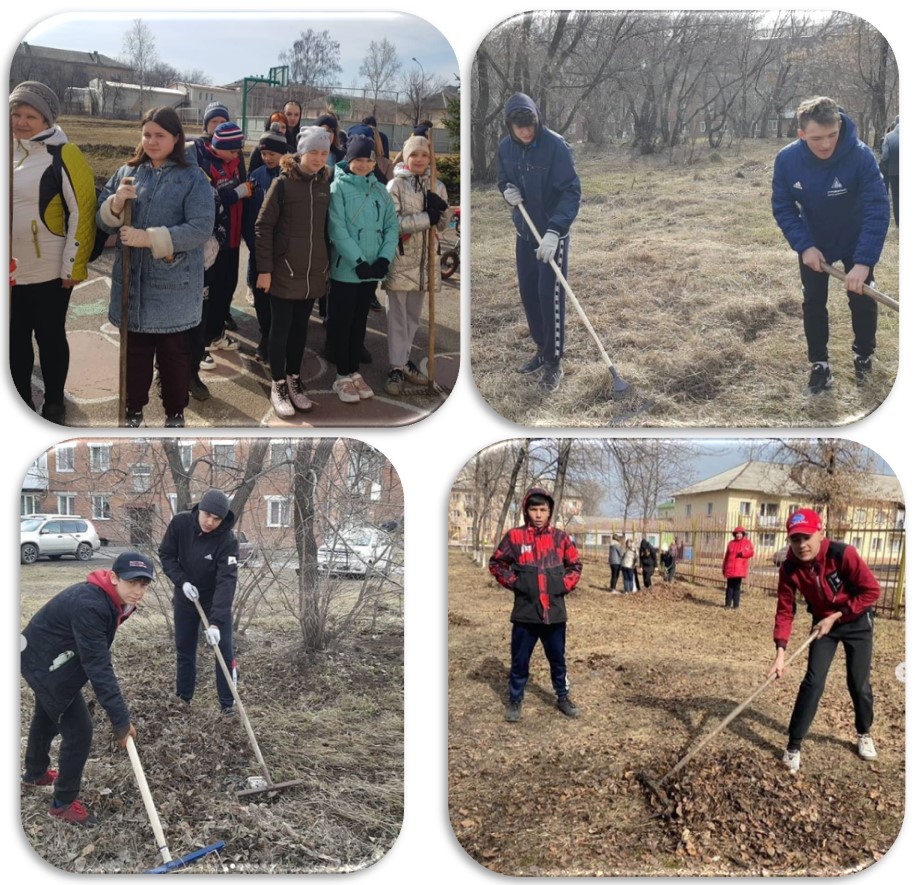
(127, 215)
(736, 711)
(241, 707)
(154, 821)
(870, 291)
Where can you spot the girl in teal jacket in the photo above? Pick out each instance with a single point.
(363, 229)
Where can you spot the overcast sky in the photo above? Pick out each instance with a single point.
(229, 46)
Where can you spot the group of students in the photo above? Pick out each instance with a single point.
(67, 643)
(322, 222)
(626, 561)
(540, 565)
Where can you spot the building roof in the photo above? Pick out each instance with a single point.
(769, 478)
(70, 56)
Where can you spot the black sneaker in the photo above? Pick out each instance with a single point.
(376, 305)
(133, 419)
(230, 324)
(567, 707)
(863, 366)
(551, 377)
(228, 712)
(532, 365)
(55, 412)
(820, 379)
(176, 420)
(198, 390)
(513, 711)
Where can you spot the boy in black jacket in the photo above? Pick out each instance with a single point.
(66, 644)
(199, 553)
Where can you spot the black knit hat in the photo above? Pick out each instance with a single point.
(274, 140)
(359, 147)
(215, 502)
(328, 120)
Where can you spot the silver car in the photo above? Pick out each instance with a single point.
(354, 552)
(54, 536)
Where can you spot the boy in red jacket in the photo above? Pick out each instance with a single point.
(540, 565)
(840, 592)
(736, 564)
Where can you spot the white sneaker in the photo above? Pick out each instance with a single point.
(866, 748)
(227, 342)
(792, 760)
(346, 390)
(249, 296)
(279, 399)
(297, 393)
(364, 391)
(412, 374)
(207, 363)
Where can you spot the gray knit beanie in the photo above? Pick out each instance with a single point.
(37, 95)
(313, 138)
(215, 502)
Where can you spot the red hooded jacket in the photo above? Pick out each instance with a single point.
(737, 557)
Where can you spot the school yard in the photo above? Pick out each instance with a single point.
(333, 720)
(693, 292)
(652, 673)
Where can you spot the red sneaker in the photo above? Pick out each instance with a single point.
(74, 813)
(45, 780)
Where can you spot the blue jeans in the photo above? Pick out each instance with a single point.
(524, 640)
(628, 580)
(187, 632)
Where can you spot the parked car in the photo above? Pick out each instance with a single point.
(354, 551)
(54, 535)
(246, 549)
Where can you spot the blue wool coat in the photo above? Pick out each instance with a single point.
(166, 294)
(838, 205)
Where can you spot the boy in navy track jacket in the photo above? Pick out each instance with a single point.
(536, 168)
(840, 592)
(199, 553)
(540, 565)
(830, 202)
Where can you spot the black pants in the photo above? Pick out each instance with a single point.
(287, 335)
(858, 639)
(221, 280)
(40, 308)
(893, 185)
(347, 316)
(614, 575)
(187, 633)
(524, 640)
(542, 296)
(732, 593)
(647, 572)
(816, 315)
(171, 353)
(75, 730)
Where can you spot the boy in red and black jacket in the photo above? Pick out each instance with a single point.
(540, 565)
(840, 592)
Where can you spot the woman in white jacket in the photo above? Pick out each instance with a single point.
(53, 233)
(422, 212)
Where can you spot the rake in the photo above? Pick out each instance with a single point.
(870, 291)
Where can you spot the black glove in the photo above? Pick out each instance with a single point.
(364, 270)
(434, 201)
(434, 215)
(379, 268)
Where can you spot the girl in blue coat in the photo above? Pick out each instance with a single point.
(364, 230)
(172, 218)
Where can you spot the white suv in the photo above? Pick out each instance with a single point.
(354, 552)
(54, 535)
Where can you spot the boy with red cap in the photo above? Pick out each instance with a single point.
(540, 565)
(840, 592)
(736, 565)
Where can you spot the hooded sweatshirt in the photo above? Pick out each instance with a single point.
(67, 644)
(53, 214)
(543, 171)
(540, 566)
(838, 205)
(737, 556)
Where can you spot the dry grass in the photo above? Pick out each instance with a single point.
(693, 292)
(334, 721)
(652, 673)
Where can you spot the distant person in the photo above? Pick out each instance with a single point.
(668, 564)
(736, 565)
(329, 122)
(615, 559)
(840, 593)
(199, 553)
(276, 123)
(292, 110)
(830, 203)
(52, 235)
(628, 563)
(536, 168)
(214, 115)
(541, 566)
(648, 561)
(66, 644)
(889, 165)
(173, 213)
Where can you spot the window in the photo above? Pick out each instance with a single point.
(172, 502)
(793, 508)
(860, 515)
(895, 546)
(99, 457)
(277, 512)
(279, 453)
(856, 542)
(767, 540)
(768, 509)
(876, 544)
(186, 450)
(224, 454)
(66, 458)
(880, 517)
(41, 462)
(689, 509)
(101, 507)
(142, 477)
(375, 494)
(708, 508)
(66, 504)
(745, 508)
(29, 504)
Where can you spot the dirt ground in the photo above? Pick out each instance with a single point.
(652, 673)
(335, 721)
(693, 292)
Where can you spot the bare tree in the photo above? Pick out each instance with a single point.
(313, 59)
(379, 67)
(139, 51)
(417, 86)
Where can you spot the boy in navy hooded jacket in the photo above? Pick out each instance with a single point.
(536, 168)
(830, 202)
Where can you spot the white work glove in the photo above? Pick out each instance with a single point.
(513, 196)
(136, 238)
(190, 591)
(211, 634)
(244, 190)
(548, 245)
